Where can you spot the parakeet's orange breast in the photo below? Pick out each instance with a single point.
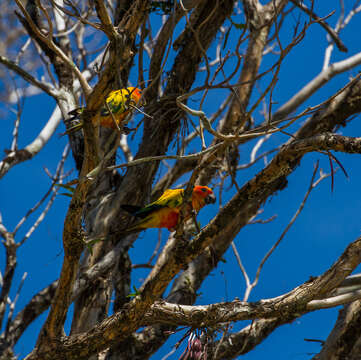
(169, 219)
(108, 120)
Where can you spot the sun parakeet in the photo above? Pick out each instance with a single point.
(118, 102)
(164, 212)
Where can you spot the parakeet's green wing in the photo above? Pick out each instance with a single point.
(131, 209)
(144, 212)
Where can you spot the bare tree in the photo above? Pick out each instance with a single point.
(76, 52)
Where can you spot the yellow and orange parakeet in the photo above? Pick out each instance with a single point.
(164, 212)
(119, 102)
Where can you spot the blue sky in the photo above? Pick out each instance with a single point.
(329, 221)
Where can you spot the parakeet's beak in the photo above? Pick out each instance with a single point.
(210, 199)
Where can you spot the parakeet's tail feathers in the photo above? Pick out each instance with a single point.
(72, 129)
(140, 212)
(75, 113)
(131, 209)
(90, 241)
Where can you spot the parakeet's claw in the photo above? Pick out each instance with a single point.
(210, 199)
(127, 130)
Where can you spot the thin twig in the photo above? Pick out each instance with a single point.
(299, 210)
(55, 179)
(58, 178)
(12, 305)
(46, 87)
(164, 157)
(49, 42)
(240, 264)
(20, 105)
(320, 21)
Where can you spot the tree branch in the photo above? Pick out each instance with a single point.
(47, 88)
(328, 29)
(47, 40)
(134, 314)
(321, 79)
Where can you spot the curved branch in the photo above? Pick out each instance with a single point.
(64, 97)
(300, 300)
(327, 27)
(345, 332)
(17, 156)
(47, 40)
(135, 313)
(321, 79)
(47, 88)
